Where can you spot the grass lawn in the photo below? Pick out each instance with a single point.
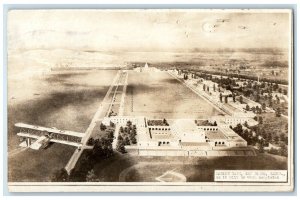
(65, 100)
(202, 170)
(36, 166)
(159, 95)
(109, 170)
(146, 169)
(274, 125)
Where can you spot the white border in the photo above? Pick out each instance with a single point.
(138, 2)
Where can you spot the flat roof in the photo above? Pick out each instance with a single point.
(214, 135)
(50, 130)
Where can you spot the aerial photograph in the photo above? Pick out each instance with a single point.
(159, 96)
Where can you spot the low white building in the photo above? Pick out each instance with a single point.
(183, 137)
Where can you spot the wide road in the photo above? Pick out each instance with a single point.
(100, 113)
(120, 80)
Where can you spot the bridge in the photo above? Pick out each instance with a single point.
(37, 137)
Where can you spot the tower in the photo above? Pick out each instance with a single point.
(146, 66)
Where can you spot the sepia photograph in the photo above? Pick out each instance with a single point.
(143, 100)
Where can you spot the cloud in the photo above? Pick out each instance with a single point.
(143, 30)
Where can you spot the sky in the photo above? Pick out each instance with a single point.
(147, 30)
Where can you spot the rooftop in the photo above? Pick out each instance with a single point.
(214, 135)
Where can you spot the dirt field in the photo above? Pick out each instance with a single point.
(65, 100)
(159, 95)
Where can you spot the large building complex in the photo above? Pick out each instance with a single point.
(184, 137)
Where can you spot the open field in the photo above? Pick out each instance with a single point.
(65, 100)
(128, 168)
(159, 95)
(200, 170)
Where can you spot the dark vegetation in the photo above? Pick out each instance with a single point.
(205, 123)
(258, 92)
(127, 136)
(102, 149)
(262, 137)
(157, 122)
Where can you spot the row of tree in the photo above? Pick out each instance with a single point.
(262, 139)
(102, 149)
(232, 75)
(127, 136)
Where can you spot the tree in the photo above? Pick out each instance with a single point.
(258, 110)
(269, 137)
(91, 177)
(215, 123)
(165, 121)
(276, 139)
(263, 106)
(128, 124)
(103, 146)
(278, 112)
(247, 107)
(121, 144)
(270, 102)
(110, 134)
(233, 97)
(238, 129)
(260, 119)
(246, 124)
(111, 124)
(102, 127)
(277, 100)
(282, 137)
(133, 140)
(241, 99)
(185, 77)
(203, 87)
(275, 87)
(283, 150)
(127, 141)
(257, 97)
(220, 97)
(260, 147)
(91, 141)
